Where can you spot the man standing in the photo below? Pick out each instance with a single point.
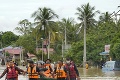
(60, 71)
(49, 71)
(72, 69)
(33, 71)
(12, 71)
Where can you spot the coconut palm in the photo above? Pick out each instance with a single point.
(24, 27)
(86, 15)
(105, 17)
(69, 29)
(43, 20)
(87, 12)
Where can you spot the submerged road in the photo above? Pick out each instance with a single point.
(21, 77)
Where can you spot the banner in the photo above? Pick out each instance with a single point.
(107, 48)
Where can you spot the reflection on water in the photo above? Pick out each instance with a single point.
(97, 72)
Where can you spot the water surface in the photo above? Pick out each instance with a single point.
(97, 72)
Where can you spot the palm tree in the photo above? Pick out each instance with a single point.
(86, 15)
(25, 27)
(43, 19)
(68, 28)
(87, 12)
(105, 17)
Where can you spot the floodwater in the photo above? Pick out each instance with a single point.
(97, 72)
(84, 73)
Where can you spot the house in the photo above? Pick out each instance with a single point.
(31, 56)
(44, 49)
(51, 50)
(14, 52)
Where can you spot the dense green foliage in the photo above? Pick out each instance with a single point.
(98, 34)
(8, 38)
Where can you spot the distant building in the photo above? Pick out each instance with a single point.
(44, 49)
(51, 50)
(14, 52)
(31, 56)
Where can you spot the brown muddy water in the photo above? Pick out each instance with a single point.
(97, 72)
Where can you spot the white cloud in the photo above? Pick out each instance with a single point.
(13, 11)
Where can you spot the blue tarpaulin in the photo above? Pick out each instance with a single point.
(104, 53)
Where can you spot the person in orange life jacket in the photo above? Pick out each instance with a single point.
(41, 68)
(72, 69)
(33, 71)
(49, 71)
(86, 66)
(60, 71)
(11, 71)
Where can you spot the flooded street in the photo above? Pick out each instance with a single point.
(97, 72)
(89, 74)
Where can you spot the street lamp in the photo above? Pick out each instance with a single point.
(62, 43)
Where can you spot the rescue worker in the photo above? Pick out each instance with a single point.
(42, 69)
(33, 71)
(11, 71)
(49, 71)
(40, 66)
(60, 71)
(86, 66)
(72, 69)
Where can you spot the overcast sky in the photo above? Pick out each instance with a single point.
(12, 11)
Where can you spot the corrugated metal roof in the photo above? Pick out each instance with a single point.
(12, 50)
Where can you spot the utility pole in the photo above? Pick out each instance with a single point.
(62, 49)
(36, 45)
(84, 58)
(49, 46)
(65, 38)
(36, 42)
(20, 54)
(42, 48)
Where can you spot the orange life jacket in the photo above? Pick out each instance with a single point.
(34, 74)
(60, 73)
(86, 66)
(48, 71)
(48, 66)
